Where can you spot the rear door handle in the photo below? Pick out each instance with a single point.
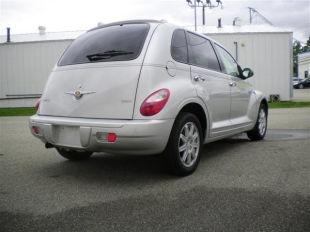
(199, 78)
(232, 84)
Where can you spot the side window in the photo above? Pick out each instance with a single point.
(230, 66)
(179, 46)
(202, 53)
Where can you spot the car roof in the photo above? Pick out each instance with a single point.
(128, 22)
(137, 21)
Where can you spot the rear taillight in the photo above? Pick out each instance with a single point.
(155, 102)
(37, 104)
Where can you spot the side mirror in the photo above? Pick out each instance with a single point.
(247, 73)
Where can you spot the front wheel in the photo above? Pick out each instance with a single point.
(184, 145)
(260, 128)
(301, 86)
(74, 155)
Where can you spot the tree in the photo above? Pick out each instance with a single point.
(297, 48)
(306, 48)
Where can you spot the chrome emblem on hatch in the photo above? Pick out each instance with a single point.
(78, 93)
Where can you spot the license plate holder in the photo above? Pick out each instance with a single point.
(67, 135)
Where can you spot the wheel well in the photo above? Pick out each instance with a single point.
(265, 103)
(197, 110)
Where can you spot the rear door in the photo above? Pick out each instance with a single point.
(97, 75)
(211, 85)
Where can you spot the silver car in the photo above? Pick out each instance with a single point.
(146, 87)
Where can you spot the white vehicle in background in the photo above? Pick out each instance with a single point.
(146, 87)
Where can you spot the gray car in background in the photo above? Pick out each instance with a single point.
(146, 87)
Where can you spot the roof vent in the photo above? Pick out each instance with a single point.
(42, 30)
(237, 21)
(8, 35)
(219, 23)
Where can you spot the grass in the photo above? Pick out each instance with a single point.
(288, 104)
(18, 111)
(28, 111)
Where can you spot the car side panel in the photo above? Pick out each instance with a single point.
(159, 71)
(154, 78)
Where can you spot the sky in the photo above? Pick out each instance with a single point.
(24, 16)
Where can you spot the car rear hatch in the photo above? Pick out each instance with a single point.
(97, 75)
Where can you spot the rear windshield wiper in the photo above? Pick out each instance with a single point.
(107, 55)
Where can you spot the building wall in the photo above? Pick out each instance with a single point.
(303, 66)
(24, 69)
(269, 55)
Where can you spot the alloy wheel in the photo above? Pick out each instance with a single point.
(262, 122)
(189, 144)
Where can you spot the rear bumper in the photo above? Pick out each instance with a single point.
(133, 136)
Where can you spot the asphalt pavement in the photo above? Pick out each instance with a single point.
(238, 186)
(301, 94)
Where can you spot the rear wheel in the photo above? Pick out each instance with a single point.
(74, 155)
(301, 86)
(185, 144)
(260, 128)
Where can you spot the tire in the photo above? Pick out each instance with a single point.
(186, 135)
(73, 155)
(260, 128)
(301, 86)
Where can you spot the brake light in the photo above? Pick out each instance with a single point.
(111, 137)
(37, 104)
(105, 137)
(155, 102)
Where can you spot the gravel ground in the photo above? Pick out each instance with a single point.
(238, 186)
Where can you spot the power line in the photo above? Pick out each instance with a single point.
(203, 4)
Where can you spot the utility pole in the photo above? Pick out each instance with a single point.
(203, 4)
(250, 11)
(203, 15)
(195, 9)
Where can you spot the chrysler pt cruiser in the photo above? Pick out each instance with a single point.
(146, 87)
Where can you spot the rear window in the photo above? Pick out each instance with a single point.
(179, 46)
(114, 43)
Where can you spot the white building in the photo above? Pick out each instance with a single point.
(267, 50)
(304, 65)
(25, 64)
(27, 60)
